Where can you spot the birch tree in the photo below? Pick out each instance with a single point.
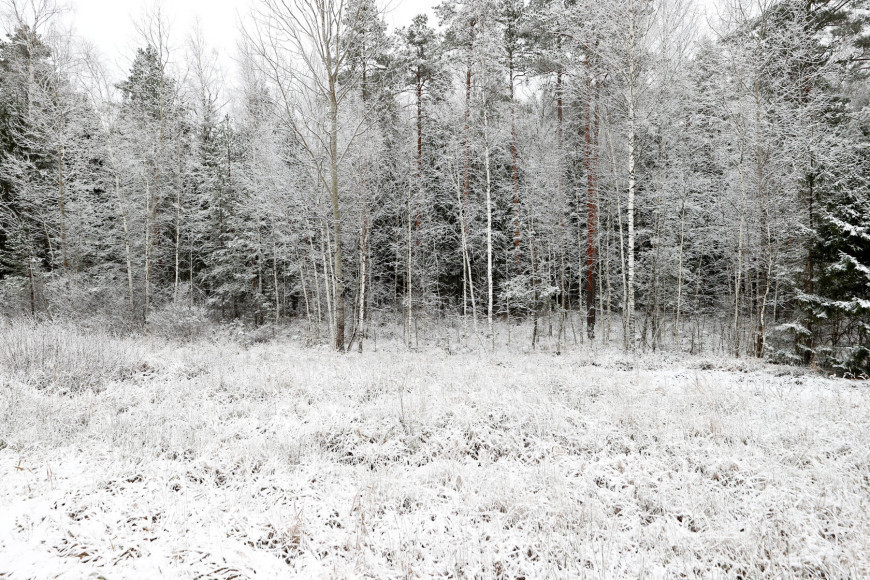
(302, 46)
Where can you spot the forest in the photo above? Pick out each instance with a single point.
(512, 289)
(629, 172)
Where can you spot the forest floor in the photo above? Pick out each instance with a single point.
(135, 458)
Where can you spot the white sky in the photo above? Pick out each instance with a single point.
(109, 24)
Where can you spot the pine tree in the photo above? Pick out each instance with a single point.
(152, 122)
(840, 306)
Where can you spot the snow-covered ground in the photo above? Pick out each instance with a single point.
(216, 460)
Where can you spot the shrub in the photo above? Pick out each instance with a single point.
(64, 357)
(179, 322)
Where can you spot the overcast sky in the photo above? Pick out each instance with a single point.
(110, 23)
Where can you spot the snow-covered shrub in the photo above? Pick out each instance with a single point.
(179, 322)
(64, 357)
(16, 298)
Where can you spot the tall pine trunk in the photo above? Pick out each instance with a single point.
(591, 203)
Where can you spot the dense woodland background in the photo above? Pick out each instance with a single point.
(622, 171)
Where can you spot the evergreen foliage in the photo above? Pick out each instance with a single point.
(483, 169)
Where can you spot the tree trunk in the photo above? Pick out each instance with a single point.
(32, 289)
(632, 163)
(275, 276)
(467, 181)
(336, 217)
(177, 225)
(148, 248)
(318, 299)
(514, 170)
(61, 204)
(677, 329)
(591, 206)
(488, 229)
(467, 187)
(304, 292)
(739, 266)
(534, 290)
(410, 295)
(127, 252)
(327, 278)
(363, 263)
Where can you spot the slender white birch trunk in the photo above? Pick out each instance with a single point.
(632, 163)
(488, 228)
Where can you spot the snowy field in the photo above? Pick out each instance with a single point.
(220, 460)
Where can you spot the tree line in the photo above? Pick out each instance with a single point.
(620, 171)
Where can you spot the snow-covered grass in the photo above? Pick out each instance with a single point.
(217, 460)
(63, 357)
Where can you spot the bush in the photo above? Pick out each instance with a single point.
(91, 302)
(179, 322)
(16, 298)
(64, 357)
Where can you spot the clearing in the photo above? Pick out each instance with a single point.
(219, 460)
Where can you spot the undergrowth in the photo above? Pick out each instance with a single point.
(65, 358)
(238, 459)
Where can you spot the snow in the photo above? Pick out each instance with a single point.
(273, 460)
(847, 259)
(855, 231)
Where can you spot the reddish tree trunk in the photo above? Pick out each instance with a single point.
(591, 203)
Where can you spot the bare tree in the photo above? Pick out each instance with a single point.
(302, 47)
